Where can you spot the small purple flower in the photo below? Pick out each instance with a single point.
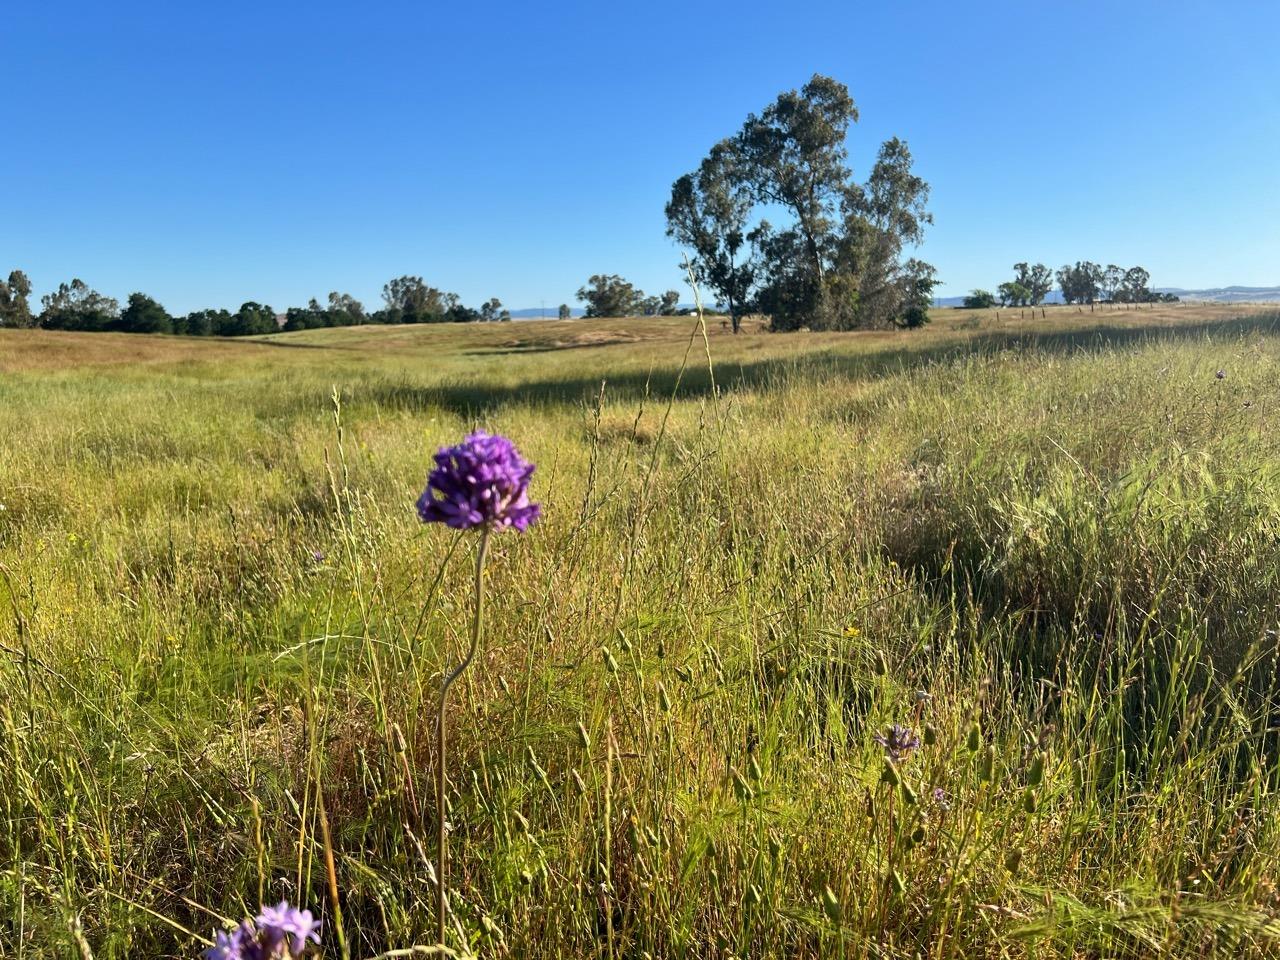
(482, 482)
(235, 945)
(898, 742)
(940, 798)
(1220, 375)
(281, 933)
(317, 556)
(287, 926)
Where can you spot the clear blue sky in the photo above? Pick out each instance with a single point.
(213, 153)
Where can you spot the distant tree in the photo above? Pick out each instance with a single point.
(250, 320)
(345, 310)
(203, 323)
(309, 317)
(492, 310)
(1036, 278)
(1013, 294)
(709, 211)
(76, 306)
(980, 300)
(410, 300)
(649, 306)
(1081, 283)
(670, 303)
(917, 280)
(1134, 287)
(1112, 280)
(15, 308)
(142, 314)
(835, 258)
(608, 295)
(565, 312)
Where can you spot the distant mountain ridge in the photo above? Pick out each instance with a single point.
(1232, 294)
(1235, 294)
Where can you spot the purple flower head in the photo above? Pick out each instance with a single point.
(898, 742)
(281, 933)
(241, 943)
(482, 482)
(288, 927)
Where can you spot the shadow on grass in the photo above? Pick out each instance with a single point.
(471, 399)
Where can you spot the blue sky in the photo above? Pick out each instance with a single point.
(209, 154)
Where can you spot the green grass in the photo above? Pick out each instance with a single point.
(1052, 543)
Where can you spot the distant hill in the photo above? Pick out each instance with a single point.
(536, 313)
(552, 313)
(1235, 294)
(1227, 294)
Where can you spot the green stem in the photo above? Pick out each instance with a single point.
(477, 623)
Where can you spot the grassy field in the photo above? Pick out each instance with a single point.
(1049, 545)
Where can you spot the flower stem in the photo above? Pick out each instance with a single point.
(477, 624)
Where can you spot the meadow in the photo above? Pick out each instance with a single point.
(1049, 545)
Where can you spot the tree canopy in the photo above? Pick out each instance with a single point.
(835, 257)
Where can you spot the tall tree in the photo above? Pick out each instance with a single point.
(1036, 278)
(203, 323)
(835, 258)
(608, 295)
(882, 218)
(77, 306)
(1080, 283)
(669, 303)
(492, 310)
(797, 154)
(565, 312)
(410, 300)
(345, 310)
(1013, 294)
(142, 314)
(251, 319)
(15, 306)
(1134, 288)
(709, 211)
(1112, 280)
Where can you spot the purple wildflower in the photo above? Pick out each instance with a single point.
(482, 482)
(240, 943)
(281, 933)
(898, 742)
(940, 798)
(1220, 375)
(288, 926)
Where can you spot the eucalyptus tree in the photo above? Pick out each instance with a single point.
(1134, 285)
(1112, 280)
(608, 295)
(15, 308)
(1036, 278)
(835, 257)
(77, 306)
(709, 211)
(1081, 283)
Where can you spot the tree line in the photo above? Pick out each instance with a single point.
(77, 306)
(608, 295)
(1083, 282)
(835, 257)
